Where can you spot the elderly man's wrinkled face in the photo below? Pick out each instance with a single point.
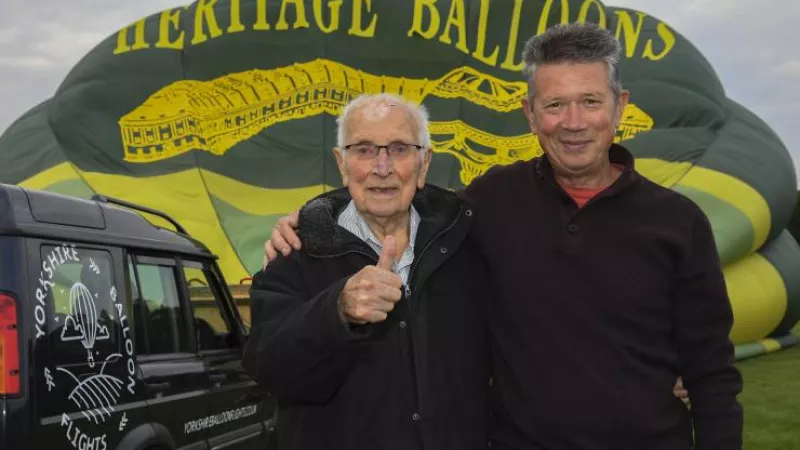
(382, 185)
(575, 115)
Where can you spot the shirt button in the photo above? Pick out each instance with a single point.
(443, 250)
(468, 213)
(415, 417)
(402, 324)
(572, 228)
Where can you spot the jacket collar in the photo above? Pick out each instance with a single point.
(321, 234)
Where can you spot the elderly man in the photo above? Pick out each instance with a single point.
(377, 352)
(607, 286)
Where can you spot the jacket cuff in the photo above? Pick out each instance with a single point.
(336, 329)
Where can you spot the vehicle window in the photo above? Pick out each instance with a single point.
(211, 324)
(132, 285)
(159, 319)
(81, 293)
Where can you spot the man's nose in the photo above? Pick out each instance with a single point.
(574, 119)
(382, 165)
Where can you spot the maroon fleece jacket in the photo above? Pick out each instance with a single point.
(597, 310)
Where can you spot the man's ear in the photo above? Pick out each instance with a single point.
(622, 102)
(341, 164)
(425, 165)
(527, 109)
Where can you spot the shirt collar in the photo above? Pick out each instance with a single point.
(351, 220)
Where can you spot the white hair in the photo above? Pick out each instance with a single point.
(418, 113)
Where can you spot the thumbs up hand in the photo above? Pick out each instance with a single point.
(389, 253)
(369, 295)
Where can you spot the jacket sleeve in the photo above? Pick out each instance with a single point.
(702, 325)
(299, 349)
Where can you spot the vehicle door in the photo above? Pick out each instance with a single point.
(240, 412)
(175, 379)
(85, 383)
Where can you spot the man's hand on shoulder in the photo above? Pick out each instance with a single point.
(284, 238)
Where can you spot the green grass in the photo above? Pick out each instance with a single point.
(771, 400)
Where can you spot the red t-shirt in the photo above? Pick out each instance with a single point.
(583, 195)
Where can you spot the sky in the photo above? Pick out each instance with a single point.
(752, 46)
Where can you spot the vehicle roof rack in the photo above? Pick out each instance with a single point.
(134, 206)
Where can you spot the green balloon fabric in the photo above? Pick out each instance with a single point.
(222, 114)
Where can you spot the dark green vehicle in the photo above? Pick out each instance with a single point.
(117, 334)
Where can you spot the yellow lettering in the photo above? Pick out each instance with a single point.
(419, 12)
(544, 18)
(513, 35)
(139, 41)
(355, 27)
(261, 16)
(333, 7)
(480, 49)
(669, 41)
(122, 42)
(300, 16)
(138, 36)
(169, 18)
(205, 13)
(625, 26)
(236, 18)
(584, 12)
(458, 19)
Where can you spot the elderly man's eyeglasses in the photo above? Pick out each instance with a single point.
(395, 150)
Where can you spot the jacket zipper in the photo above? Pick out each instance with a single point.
(407, 292)
(410, 337)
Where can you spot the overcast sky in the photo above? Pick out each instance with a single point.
(752, 45)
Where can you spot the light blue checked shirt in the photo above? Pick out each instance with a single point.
(351, 220)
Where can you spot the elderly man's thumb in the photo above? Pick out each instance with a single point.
(389, 253)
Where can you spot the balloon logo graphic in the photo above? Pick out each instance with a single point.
(82, 322)
(96, 395)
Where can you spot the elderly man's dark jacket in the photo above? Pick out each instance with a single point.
(417, 380)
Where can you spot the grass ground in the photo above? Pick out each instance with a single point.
(771, 400)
